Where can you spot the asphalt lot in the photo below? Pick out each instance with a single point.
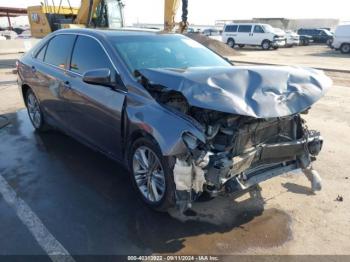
(83, 202)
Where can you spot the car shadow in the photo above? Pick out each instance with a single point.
(250, 49)
(330, 53)
(88, 202)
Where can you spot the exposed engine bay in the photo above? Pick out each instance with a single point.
(239, 151)
(240, 148)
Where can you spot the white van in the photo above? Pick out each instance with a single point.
(342, 38)
(254, 34)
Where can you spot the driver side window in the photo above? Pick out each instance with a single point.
(88, 55)
(258, 29)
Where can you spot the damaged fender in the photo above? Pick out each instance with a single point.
(164, 125)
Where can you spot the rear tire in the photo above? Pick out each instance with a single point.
(152, 175)
(345, 48)
(231, 43)
(266, 45)
(35, 113)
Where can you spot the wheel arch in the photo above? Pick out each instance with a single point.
(165, 130)
(265, 40)
(135, 135)
(24, 90)
(230, 38)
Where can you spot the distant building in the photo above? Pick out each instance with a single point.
(286, 23)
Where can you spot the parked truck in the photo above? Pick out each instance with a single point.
(342, 39)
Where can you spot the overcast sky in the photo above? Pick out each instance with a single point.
(207, 11)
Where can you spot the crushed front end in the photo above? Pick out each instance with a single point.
(240, 152)
(251, 125)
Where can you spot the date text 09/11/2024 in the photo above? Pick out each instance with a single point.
(173, 258)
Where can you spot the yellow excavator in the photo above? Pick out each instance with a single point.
(46, 18)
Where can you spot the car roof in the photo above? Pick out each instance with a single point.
(109, 32)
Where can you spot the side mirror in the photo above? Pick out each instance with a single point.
(100, 76)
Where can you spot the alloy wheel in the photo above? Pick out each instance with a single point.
(266, 45)
(34, 110)
(148, 174)
(231, 43)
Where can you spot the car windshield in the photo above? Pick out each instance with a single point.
(327, 32)
(268, 28)
(164, 51)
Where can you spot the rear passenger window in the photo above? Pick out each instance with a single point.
(41, 54)
(59, 49)
(245, 28)
(87, 55)
(231, 28)
(258, 29)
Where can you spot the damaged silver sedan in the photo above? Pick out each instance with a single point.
(180, 117)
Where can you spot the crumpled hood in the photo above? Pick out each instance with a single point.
(256, 91)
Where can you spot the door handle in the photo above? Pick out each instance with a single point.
(67, 84)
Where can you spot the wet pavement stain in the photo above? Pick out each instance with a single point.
(241, 228)
(87, 202)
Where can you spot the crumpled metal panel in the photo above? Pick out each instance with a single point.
(256, 91)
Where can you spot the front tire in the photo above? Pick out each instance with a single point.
(345, 48)
(152, 175)
(34, 111)
(231, 43)
(266, 45)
